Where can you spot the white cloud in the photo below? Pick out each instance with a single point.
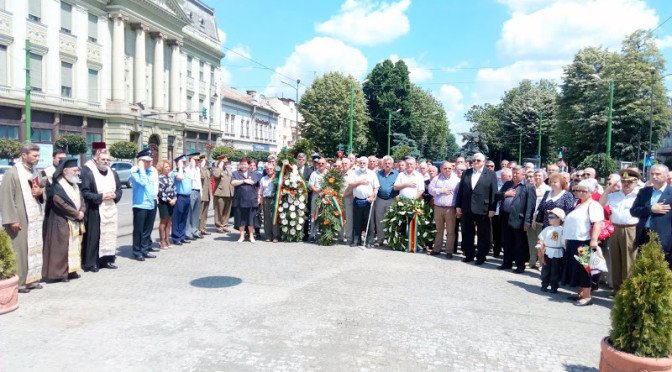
(314, 58)
(226, 77)
(665, 42)
(238, 53)
(452, 99)
(417, 73)
(367, 22)
(524, 5)
(222, 35)
(491, 83)
(563, 27)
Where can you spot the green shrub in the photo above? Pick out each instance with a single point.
(641, 318)
(603, 166)
(123, 150)
(10, 148)
(7, 257)
(74, 144)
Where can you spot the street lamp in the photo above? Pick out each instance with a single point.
(389, 129)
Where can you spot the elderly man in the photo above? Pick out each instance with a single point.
(223, 194)
(373, 163)
(346, 231)
(21, 209)
(193, 173)
(64, 228)
(386, 194)
(443, 188)
(206, 195)
(460, 161)
(589, 173)
(410, 184)
(144, 204)
(622, 249)
(459, 171)
(315, 186)
(423, 169)
(181, 209)
(506, 176)
(101, 190)
(266, 192)
(652, 207)
(476, 205)
(364, 184)
(517, 211)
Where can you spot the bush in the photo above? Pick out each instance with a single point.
(7, 257)
(9, 148)
(123, 150)
(641, 318)
(259, 155)
(303, 145)
(74, 144)
(603, 166)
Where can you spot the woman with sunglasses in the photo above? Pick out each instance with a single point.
(582, 229)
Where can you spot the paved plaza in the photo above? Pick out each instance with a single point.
(222, 306)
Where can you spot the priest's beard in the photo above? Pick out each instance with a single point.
(102, 167)
(73, 179)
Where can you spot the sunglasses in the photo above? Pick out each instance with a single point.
(552, 217)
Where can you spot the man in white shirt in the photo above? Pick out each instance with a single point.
(193, 172)
(410, 183)
(314, 185)
(364, 185)
(622, 249)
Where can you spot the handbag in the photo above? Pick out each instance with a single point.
(541, 213)
(607, 228)
(597, 262)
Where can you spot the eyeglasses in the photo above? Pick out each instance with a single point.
(478, 161)
(490, 166)
(552, 216)
(580, 191)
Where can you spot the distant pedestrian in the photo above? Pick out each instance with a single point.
(444, 187)
(223, 194)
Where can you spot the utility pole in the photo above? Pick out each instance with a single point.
(520, 147)
(352, 109)
(389, 131)
(541, 119)
(609, 122)
(27, 104)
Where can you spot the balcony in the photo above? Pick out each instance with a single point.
(6, 27)
(94, 54)
(37, 35)
(68, 44)
(190, 84)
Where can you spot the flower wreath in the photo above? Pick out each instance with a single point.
(291, 201)
(329, 216)
(408, 225)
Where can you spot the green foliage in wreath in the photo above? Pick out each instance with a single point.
(329, 207)
(396, 221)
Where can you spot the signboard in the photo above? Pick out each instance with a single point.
(256, 147)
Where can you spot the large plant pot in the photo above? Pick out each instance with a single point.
(9, 294)
(612, 360)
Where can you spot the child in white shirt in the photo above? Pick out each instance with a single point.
(551, 250)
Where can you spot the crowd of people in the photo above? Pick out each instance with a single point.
(65, 218)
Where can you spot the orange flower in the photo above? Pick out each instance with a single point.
(325, 222)
(324, 200)
(336, 214)
(331, 180)
(292, 192)
(334, 193)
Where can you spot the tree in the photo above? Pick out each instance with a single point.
(259, 155)
(486, 119)
(123, 150)
(386, 90)
(326, 108)
(303, 145)
(10, 148)
(474, 142)
(74, 144)
(404, 146)
(451, 146)
(429, 124)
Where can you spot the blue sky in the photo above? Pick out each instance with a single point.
(463, 52)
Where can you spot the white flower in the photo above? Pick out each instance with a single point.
(290, 199)
(301, 220)
(302, 206)
(284, 229)
(280, 209)
(292, 215)
(284, 222)
(283, 215)
(292, 208)
(302, 199)
(292, 231)
(285, 205)
(292, 223)
(286, 182)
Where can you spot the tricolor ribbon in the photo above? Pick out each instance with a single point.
(338, 207)
(412, 232)
(278, 195)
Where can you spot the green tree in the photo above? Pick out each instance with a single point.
(429, 124)
(386, 90)
(124, 150)
(451, 146)
(486, 119)
(326, 108)
(303, 145)
(218, 151)
(404, 146)
(74, 144)
(259, 155)
(10, 148)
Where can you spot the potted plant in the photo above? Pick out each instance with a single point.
(9, 281)
(641, 318)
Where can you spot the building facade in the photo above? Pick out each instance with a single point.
(102, 66)
(249, 122)
(288, 121)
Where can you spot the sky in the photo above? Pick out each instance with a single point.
(463, 52)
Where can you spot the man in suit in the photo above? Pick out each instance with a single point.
(652, 207)
(223, 194)
(476, 205)
(517, 209)
(305, 171)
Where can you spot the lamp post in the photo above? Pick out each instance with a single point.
(389, 129)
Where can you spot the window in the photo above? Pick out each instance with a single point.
(9, 131)
(40, 135)
(93, 28)
(201, 65)
(66, 79)
(200, 109)
(233, 121)
(212, 74)
(189, 62)
(2, 4)
(66, 17)
(35, 10)
(90, 139)
(35, 72)
(93, 85)
(3, 64)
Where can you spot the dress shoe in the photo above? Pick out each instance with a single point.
(467, 259)
(24, 290)
(74, 276)
(188, 238)
(496, 255)
(138, 258)
(177, 243)
(544, 289)
(519, 270)
(553, 290)
(449, 256)
(110, 265)
(503, 267)
(93, 269)
(148, 255)
(480, 262)
(32, 286)
(205, 233)
(198, 236)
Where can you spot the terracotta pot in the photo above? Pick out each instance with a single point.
(9, 294)
(612, 360)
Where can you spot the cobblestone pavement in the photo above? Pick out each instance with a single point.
(219, 305)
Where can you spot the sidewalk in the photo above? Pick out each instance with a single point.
(218, 305)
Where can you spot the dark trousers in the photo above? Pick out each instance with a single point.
(143, 224)
(514, 242)
(472, 224)
(550, 272)
(645, 239)
(458, 222)
(496, 235)
(360, 217)
(180, 215)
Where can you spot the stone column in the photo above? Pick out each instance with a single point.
(118, 20)
(158, 71)
(175, 65)
(139, 65)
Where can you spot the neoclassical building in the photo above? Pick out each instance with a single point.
(102, 64)
(249, 122)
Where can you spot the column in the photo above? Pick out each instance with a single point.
(118, 56)
(158, 71)
(175, 66)
(139, 65)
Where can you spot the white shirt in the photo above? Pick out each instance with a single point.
(552, 238)
(620, 205)
(194, 174)
(362, 191)
(578, 222)
(540, 191)
(410, 192)
(475, 176)
(315, 179)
